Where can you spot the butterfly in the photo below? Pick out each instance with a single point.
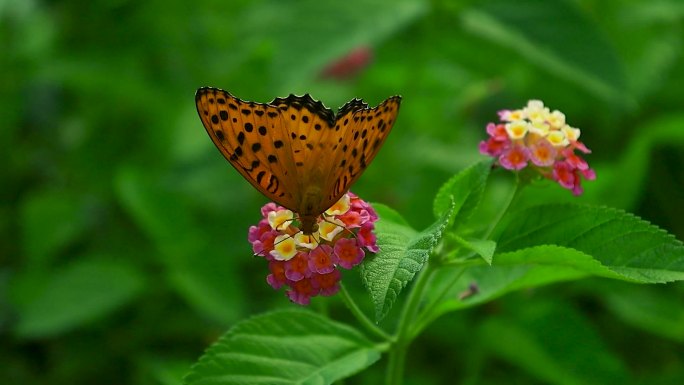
(294, 150)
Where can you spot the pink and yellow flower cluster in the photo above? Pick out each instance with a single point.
(309, 264)
(542, 139)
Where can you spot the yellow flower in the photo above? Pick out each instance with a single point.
(340, 207)
(284, 248)
(281, 219)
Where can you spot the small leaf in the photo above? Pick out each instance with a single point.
(82, 292)
(403, 252)
(625, 244)
(466, 189)
(284, 347)
(483, 247)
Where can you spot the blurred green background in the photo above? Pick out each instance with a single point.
(123, 249)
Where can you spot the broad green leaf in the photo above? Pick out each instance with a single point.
(554, 343)
(403, 252)
(77, 294)
(555, 35)
(511, 271)
(466, 189)
(284, 347)
(50, 220)
(623, 243)
(389, 214)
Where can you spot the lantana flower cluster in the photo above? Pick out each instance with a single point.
(536, 137)
(309, 265)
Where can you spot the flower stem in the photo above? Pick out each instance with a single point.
(361, 317)
(427, 315)
(397, 354)
(504, 209)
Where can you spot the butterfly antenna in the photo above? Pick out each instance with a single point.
(343, 227)
(259, 254)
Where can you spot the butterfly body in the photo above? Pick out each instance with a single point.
(294, 150)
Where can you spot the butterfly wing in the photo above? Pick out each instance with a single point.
(254, 139)
(364, 131)
(312, 132)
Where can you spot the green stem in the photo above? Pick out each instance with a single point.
(427, 315)
(397, 355)
(361, 317)
(511, 197)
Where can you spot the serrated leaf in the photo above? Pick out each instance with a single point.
(465, 188)
(555, 35)
(284, 347)
(80, 293)
(623, 243)
(403, 252)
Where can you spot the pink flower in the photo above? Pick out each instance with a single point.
(515, 158)
(348, 254)
(309, 265)
(542, 153)
(366, 238)
(493, 147)
(537, 135)
(329, 283)
(302, 291)
(298, 267)
(277, 277)
(322, 260)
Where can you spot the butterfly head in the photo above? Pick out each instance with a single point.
(309, 225)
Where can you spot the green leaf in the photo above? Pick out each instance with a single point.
(87, 290)
(623, 243)
(555, 35)
(526, 268)
(403, 252)
(389, 214)
(466, 189)
(284, 347)
(482, 247)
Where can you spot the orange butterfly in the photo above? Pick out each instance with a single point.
(294, 150)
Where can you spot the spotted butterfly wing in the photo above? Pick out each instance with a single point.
(294, 149)
(364, 131)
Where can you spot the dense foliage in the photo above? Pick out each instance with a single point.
(123, 231)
